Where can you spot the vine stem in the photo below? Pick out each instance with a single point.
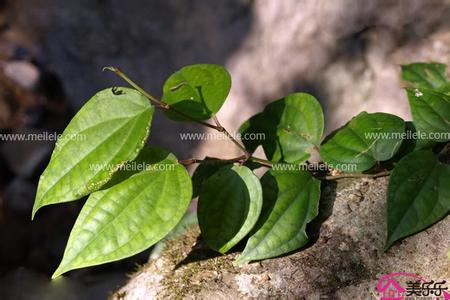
(222, 129)
(212, 160)
(261, 161)
(160, 104)
(354, 175)
(240, 159)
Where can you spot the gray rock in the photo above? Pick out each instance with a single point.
(344, 263)
(23, 73)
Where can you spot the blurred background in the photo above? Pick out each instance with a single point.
(347, 53)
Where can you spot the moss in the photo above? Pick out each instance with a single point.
(191, 264)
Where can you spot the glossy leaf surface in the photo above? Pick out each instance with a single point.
(292, 126)
(202, 173)
(366, 139)
(291, 200)
(425, 75)
(229, 206)
(109, 130)
(431, 113)
(197, 90)
(418, 194)
(129, 217)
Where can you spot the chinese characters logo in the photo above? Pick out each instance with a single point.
(414, 287)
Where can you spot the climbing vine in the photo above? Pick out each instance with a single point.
(130, 208)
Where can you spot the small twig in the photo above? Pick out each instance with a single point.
(261, 161)
(354, 175)
(222, 129)
(119, 73)
(158, 103)
(212, 161)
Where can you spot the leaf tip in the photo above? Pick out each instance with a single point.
(59, 271)
(389, 243)
(241, 260)
(36, 207)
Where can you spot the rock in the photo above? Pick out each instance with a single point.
(344, 262)
(23, 73)
(347, 53)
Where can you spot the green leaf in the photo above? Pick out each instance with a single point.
(129, 217)
(203, 172)
(431, 113)
(292, 126)
(411, 143)
(229, 206)
(253, 126)
(366, 139)
(291, 200)
(445, 89)
(109, 130)
(149, 157)
(198, 91)
(418, 194)
(425, 75)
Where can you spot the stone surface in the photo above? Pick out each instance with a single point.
(23, 73)
(344, 262)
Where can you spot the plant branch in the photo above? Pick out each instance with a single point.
(354, 175)
(212, 160)
(264, 162)
(122, 75)
(158, 103)
(222, 129)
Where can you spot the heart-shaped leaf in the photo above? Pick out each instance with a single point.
(198, 91)
(291, 200)
(292, 126)
(418, 194)
(425, 75)
(129, 217)
(431, 113)
(366, 139)
(109, 130)
(229, 205)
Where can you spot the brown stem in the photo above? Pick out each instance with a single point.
(354, 175)
(212, 160)
(158, 103)
(222, 129)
